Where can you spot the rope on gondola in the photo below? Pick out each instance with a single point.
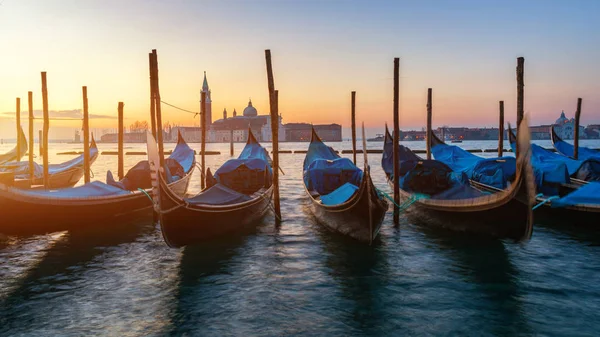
(146, 193)
(544, 201)
(406, 204)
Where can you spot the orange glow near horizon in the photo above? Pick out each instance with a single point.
(105, 46)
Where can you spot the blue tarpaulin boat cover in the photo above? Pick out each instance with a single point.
(234, 172)
(584, 153)
(429, 177)
(588, 194)
(21, 169)
(326, 175)
(218, 194)
(494, 172)
(340, 195)
(93, 189)
(549, 167)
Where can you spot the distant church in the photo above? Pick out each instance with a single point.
(565, 128)
(222, 130)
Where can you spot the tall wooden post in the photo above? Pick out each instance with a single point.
(501, 130)
(520, 95)
(353, 95)
(396, 147)
(273, 103)
(203, 138)
(86, 137)
(30, 107)
(576, 135)
(18, 129)
(157, 105)
(46, 128)
(429, 123)
(231, 141)
(152, 90)
(41, 142)
(121, 164)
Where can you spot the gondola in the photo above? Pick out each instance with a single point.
(95, 203)
(342, 197)
(12, 155)
(562, 196)
(566, 149)
(562, 169)
(436, 195)
(237, 195)
(62, 175)
(489, 174)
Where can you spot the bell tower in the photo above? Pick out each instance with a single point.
(206, 90)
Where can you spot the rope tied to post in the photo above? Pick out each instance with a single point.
(544, 201)
(407, 203)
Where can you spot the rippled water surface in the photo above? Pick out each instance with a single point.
(298, 279)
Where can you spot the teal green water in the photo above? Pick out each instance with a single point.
(298, 279)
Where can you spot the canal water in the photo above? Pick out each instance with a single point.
(298, 279)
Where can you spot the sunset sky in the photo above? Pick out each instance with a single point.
(465, 50)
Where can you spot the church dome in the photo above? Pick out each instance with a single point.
(250, 111)
(562, 119)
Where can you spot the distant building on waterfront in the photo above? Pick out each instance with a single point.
(222, 130)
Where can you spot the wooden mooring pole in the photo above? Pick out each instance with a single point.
(18, 129)
(86, 137)
(396, 147)
(231, 141)
(157, 104)
(501, 129)
(203, 138)
(152, 98)
(353, 98)
(429, 122)
(41, 142)
(576, 134)
(46, 129)
(30, 107)
(121, 163)
(273, 103)
(520, 95)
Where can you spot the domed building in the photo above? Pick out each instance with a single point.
(237, 126)
(565, 127)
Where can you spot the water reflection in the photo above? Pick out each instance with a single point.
(494, 305)
(203, 270)
(56, 273)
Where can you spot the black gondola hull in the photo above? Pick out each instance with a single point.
(184, 224)
(352, 221)
(507, 221)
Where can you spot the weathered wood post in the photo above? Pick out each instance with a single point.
(501, 130)
(152, 98)
(121, 164)
(30, 107)
(203, 138)
(273, 104)
(18, 129)
(157, 104)
(429, 123)
(46, 129)
(86, 137)
(231, 141)
(396, 147)
(353, 95)
(520, 96)
(40, 141)
(576, 134)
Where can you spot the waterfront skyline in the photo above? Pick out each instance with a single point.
(466, 51)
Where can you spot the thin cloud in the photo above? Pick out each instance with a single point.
(66, 114)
